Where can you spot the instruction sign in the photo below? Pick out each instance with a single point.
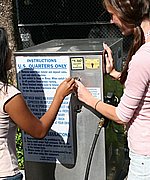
(38, 77)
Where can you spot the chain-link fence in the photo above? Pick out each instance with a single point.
(60, 11)
(44, 20)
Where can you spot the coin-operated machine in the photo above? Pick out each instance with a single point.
(64, 153)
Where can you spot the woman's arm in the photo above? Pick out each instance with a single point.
(24, 118)
(106, 110)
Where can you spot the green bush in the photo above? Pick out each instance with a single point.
(19, 147)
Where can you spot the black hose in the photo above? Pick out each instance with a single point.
(100, 125)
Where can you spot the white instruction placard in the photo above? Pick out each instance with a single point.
(38, 77)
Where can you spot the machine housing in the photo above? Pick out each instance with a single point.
(63, 153)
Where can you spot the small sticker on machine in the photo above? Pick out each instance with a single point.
(77, 63)
(92, 63)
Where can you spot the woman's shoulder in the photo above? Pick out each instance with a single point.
(9, 90)
(144, 49)
(142, 56)
(12, 90)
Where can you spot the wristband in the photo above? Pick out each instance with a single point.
(97, 103)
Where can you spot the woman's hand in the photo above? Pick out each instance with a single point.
(110, 69)
(85, 95)
(66, 87)
(109, 59)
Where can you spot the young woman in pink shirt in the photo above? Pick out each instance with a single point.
(132, 17)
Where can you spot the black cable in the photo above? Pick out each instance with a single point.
(100, 125)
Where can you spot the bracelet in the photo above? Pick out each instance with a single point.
(97, 103)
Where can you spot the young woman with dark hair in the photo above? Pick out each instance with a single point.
(132, 17)
(14, 112)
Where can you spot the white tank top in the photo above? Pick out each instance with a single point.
(8, 159)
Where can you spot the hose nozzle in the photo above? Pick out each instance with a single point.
(101, 122)
(100, 125)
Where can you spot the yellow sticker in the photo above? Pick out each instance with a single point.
(77, 63)
(92, 63)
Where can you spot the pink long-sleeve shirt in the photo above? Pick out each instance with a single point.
(134, 106)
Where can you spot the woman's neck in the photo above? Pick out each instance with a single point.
(145, 25)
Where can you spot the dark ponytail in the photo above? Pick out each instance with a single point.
(138, 41)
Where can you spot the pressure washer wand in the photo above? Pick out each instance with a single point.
(100, 125)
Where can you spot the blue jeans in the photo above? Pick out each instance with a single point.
(18, 176)
(139, 167)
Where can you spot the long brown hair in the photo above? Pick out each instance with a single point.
(4, 52)
(131, 13)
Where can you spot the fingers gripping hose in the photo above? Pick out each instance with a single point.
(100, 125)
